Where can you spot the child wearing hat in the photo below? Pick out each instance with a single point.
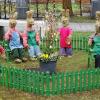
(94, 41)
(65, 37)
(33, 37)
(13, 36)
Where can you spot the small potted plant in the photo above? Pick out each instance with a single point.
(49, 57)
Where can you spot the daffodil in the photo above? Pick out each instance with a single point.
(46, 56)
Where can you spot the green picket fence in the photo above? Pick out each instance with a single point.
(79, 42)
(45, 84)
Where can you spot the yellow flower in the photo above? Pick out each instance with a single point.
(46, 56)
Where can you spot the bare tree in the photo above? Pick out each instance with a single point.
(68, 5)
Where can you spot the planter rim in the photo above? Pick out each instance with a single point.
(48, 61)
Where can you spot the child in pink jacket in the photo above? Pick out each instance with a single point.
(65, 38)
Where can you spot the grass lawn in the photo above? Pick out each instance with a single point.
(75, 63)
(8, 94)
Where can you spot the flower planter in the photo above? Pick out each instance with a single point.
(49, 66)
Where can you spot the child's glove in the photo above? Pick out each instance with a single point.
(25, 45)
(68, 41)
(90, 41)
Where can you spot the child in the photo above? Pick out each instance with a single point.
(33, 38)
(65, 38)
(94, 41)
(2, 52)
(13, 36)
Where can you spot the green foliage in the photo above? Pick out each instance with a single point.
(50, 39)
(49, 50)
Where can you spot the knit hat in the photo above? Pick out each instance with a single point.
(98, 21)
(65, 17)
(65, 20)
(98, 14)
(30, 19)
(12, 19)
(98, 18)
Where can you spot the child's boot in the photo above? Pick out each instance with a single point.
(18, 60)
(24, 59)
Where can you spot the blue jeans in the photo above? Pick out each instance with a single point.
(66, 51)
(34, 51)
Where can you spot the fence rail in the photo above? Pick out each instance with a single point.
(79, 42)
(45, 84)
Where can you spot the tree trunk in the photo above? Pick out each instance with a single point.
(47, 5)
(68, 5)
